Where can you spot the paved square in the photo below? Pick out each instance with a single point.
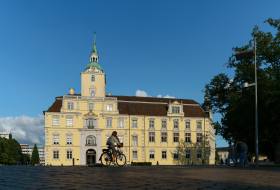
(162, 177)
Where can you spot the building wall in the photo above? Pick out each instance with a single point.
(143, 146)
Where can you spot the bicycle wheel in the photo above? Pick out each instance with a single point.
(121, 160)
(105, 159)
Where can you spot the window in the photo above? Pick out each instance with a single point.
(92, 78)
(176, 124)
(134, 140)
(121, 139)
(175, 156)
(69, 139)
(109, 107)
(198, 154)
(187, 137)
(188, 154)
(199, 125)
(163, 154)
(92, 92)
(90, 123)
(175, 109)
(69, 121)
(121, 123)
(199, 137)
(55, 139)
(109, 122)
(55, 154)
(134, 123)
(188, 124)
(151, 124)
(91, 140)
(55, 120)
(69, 154)
(152, 154)
(175, 137)
(70, 105)
(151, 136)
(164, 137)
(134, 155)
(163, 124)
(90, 106)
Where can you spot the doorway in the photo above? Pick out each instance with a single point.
(91, 157)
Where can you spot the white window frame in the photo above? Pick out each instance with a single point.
(174, 123)
(199, 125)
(166, 136)
(151, 123)
(134, 140)
(55, 120)
(164, 152)
(189, 137)
(69, 139)
(134, 123)
(70, 105)
(69, 121)
(69, 154)
(134, 155)
(188, 124)
(109, 107)
(121, 123)
(55, 139)
(175, 109)
(176, 136)
(152, 137)
(152, 155)
(55, 154)
(164, 126)
(109, 122)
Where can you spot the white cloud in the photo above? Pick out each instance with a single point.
(141, 93)
(25, 129)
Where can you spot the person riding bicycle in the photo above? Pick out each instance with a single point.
(113, 142)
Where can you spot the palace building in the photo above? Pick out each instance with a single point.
(154, 130)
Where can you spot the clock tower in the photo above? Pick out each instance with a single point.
(93, 77)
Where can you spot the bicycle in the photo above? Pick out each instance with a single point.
(106, 157)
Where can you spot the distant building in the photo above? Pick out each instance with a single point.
(26, 149)
(223, 153)
(4, 135)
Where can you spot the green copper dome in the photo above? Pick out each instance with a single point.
(93, 65)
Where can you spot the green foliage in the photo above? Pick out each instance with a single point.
(193, 149)
(35, 156)
(10, 151)
(236, 103)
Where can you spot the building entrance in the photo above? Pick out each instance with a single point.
(91, 157)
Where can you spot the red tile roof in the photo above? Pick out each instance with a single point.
(150, 106)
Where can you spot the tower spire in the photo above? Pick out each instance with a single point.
(94, 58)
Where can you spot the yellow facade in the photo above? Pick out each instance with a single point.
(77, 125)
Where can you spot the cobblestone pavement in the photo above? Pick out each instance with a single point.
(160, 177)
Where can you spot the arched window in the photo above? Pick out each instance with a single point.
(91, 140)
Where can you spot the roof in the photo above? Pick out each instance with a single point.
(150, 106)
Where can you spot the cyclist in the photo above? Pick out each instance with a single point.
(113, 142)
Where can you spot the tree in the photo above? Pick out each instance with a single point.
(188, 153)
(35, 156)
(10, 151)
(235, 103)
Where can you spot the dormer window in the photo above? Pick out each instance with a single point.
(109, 107)
(175, 109)
(70, 105)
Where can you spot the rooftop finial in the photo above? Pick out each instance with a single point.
(94, 49)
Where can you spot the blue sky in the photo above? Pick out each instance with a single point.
(160, 47)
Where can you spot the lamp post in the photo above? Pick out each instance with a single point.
(238, 56)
